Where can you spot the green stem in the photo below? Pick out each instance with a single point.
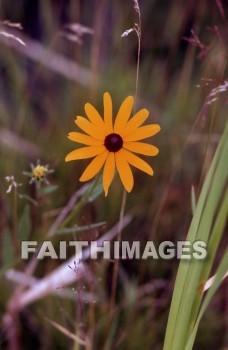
(15, 223)
(124, 197)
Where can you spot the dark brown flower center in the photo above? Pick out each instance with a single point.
(113, 142)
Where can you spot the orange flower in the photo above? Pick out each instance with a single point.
(113, 145)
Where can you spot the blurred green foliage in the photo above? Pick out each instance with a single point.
(38, 105)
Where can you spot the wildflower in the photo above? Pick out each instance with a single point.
(113, 145)
(38, 173)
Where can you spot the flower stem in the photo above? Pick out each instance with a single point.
(15, 223)
(124, 197)
(116, 264)
(138, 32)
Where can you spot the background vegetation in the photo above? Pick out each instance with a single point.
(43, 86)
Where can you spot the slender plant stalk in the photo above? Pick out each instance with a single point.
(210, 130)
(116, 264)
(138, 32)
(137, 29)
(15, 223)
(96, 46)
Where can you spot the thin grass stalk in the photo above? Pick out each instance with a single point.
(15, 241)
(124, 196)
(96, 46)
(116, 264)
(211, 125)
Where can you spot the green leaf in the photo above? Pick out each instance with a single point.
(28, 198)
(26, 173)
(187, 292)
(49, 189)
(24, 224)
(215, 238)
(193, 199)
(77, 229)
(7, 249)
(97, 191)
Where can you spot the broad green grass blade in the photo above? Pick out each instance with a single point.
(215, 239)
(188, 278)
(217, 282)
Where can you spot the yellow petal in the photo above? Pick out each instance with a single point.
(108, 113)
(141, 148)
(124, 114)
(94, 167)
(124, 170)
(109, 171)
(137, 162)
(138, 119)
(84, 139)
(96, 132)
(94, 116)
(143, 132)
(84, 152)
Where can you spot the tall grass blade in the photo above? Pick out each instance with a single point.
(187, 285)
(222, 269)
